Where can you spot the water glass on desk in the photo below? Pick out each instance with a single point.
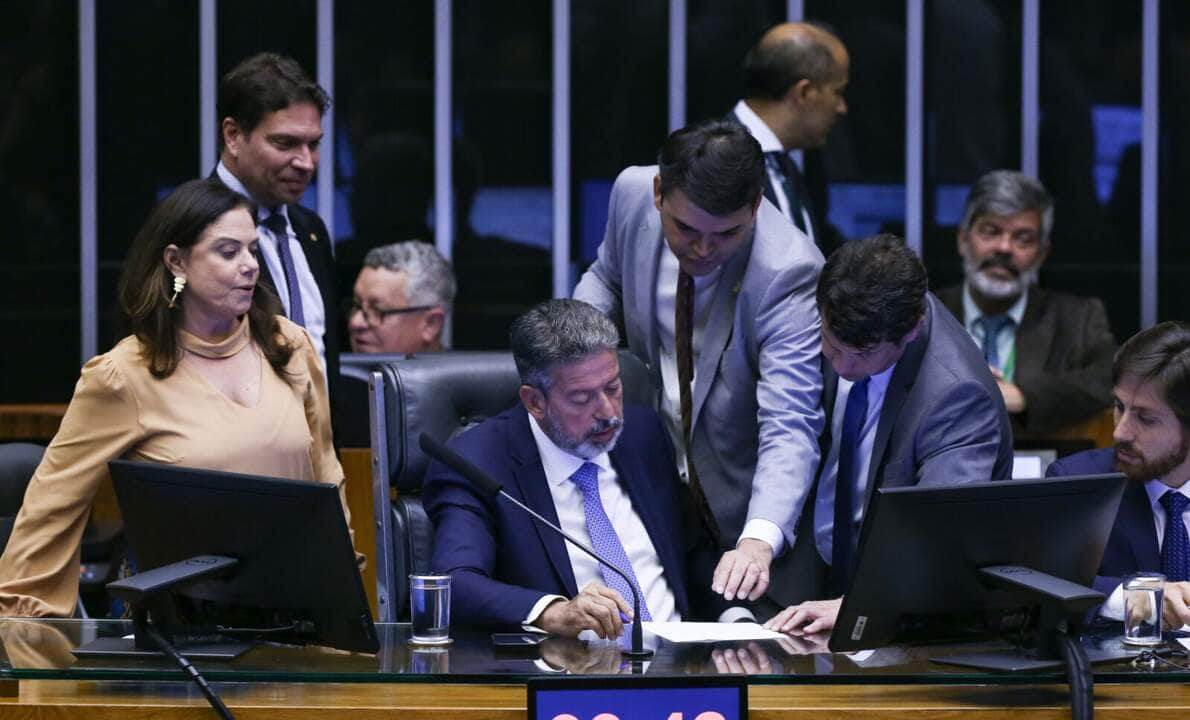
(1143, 595)
(429, 609)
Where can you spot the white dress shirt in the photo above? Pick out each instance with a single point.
(1006, 341)
(769, 143)
(824, 502)
(559, 465)
(671, 404)
(313, 310)
(1113, 608)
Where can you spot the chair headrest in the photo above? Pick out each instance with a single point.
(446, 393)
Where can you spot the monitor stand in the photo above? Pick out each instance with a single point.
(1025, 661)
(148, 592)
(1063, 604)
(126, 647)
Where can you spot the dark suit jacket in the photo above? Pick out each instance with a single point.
(502, 561)
(1132, 545)
(811, 187)
(1064, 351)
(316, 243)
(943, 422)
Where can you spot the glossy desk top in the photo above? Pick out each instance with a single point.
(41, 649)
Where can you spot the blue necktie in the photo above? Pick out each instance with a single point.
(992, 325)
(1175, 547)
(604, 538)
(279, 227)
(845, 485)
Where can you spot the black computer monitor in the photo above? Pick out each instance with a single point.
(283, 563)
(930, 556)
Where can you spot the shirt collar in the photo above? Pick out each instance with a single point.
(763, 133)
(1155, 488)
(971, 311)
(234, 183)
(558, 464)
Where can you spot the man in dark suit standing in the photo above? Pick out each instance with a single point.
(1050, 351)
(563, 452)
(1151, 379)
(909, 401)
(795, 80)
(270, 132)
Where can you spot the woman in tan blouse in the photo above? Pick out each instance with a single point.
(212, 377)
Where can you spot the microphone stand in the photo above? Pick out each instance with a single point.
(467, 469)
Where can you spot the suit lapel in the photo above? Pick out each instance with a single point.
(310, 248)
(645, 503)
(1137, 514)
(899, 386)
(830, 391)
(1036, 333)
(535, 491)
(717, 332)
(647, 275)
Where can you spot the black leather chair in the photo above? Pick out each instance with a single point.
(442, 394)
(17, 463)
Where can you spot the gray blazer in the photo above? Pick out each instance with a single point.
(756, 412)
(943, 422)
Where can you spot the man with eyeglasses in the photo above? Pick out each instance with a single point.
(401, 299)
(1051, 352)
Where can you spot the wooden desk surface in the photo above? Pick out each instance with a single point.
(51, 699)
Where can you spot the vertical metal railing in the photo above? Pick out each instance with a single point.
(914, 121)
(88, 199)
(561, 148)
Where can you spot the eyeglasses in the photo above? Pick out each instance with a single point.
(376, 316)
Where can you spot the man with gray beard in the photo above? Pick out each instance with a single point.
(1050, 351)
(561, 451)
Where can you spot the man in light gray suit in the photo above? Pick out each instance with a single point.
(909, 399)
(714, 288)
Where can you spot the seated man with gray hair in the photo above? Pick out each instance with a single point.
(401, 299)
(563, 452)
(1050, 351)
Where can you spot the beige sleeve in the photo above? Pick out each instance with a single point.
(318, 416)
(39, 571)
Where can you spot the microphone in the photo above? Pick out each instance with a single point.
(491, 486)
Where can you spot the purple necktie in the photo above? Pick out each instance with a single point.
(279, 227)
(604, 538)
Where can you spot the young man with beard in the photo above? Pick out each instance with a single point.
(1151, 375)
(561, 451)
(1050, 351)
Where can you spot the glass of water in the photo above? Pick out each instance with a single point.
(1143, 594)
(429, 609)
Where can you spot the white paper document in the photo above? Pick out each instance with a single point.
(709, 631)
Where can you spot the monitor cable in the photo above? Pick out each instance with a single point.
(1078, 675)
(191, 671)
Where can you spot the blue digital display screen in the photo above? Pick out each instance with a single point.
(637, 699)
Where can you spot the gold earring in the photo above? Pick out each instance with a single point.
(179, 285)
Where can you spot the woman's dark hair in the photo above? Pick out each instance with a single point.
(146, 284)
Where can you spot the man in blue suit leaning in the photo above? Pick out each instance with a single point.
(563, 452)
(1151, 379)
